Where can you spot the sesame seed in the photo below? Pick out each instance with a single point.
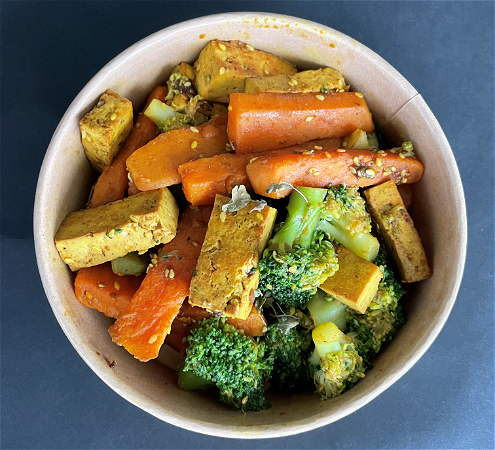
(187, 84)
(95, 249)
(320, 97)
(153, 339)
(378, 162)
(381, 153)
(222, 47)
(356, 160)
(201, 155)
(195, 244)
(352, 169)
(89, 295)
(401, 155)
(393, 169)
(358, 94)
(134, 219)
(171, 274)
(116, 285)
(318, 147)
(223, 216)
(313, 170)
(341, 150)
(194, 144)
(307, 152)
(386, 174)
(222, 70)
(253, 159)
(404, 180)
(370, 173)
(293, 82)
(229, 108)
(167, 271)
(267, 71)
(113, 116)
(83, 134)
(194, 129)
(100, 103)
(129, 176)
(68, 260)
(102, 285)
(259, 216)
(245, 400)
(328, 154)
(88, 138)
(403, 172)
(309, 118)
(250, 47)
(111, 234)
(316, 173)
(292, 269)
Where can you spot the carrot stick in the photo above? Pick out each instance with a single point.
(156, 164)
(189, 316)
(99, 288)
(321, 168)
(269, 121)
(113, 181)
(203, 178)
(142, 328)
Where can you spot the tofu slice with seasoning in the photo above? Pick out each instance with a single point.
(355, 283)
(105, 128)
(223, 66)
(225, 277)
(397, 229)
(93, 236)
(321, 80)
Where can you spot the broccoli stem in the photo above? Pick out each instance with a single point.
(362, 244)
(302, 220)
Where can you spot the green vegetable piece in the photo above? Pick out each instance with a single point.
(131, 264)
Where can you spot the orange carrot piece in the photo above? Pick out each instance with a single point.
(269, 121)
(321, 168)
(99, 288)
(203, 178)
(156, 164)
(142, 328)
(113, 181)
(189, 316)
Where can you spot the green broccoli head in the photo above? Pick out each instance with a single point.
(237, 364)
(294, 277)
(344, 218)
(337, 371)
(382, 318)
(289, 352)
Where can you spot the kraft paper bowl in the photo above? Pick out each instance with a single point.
(398, 109)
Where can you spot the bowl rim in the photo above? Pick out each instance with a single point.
(42, 240)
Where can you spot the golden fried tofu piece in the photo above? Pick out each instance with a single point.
(225, 277)
(321, 80)
(105, 128)
(95, 235)
(222, 68)
(355, 283)
(399, 234)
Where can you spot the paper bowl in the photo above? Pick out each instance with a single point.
(65, 180)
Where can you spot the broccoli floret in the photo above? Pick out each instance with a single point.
(298, 258)
(382, 318)
(289, 352)
(335, 365)
(324, 308)
(237, 364)
(345, 219)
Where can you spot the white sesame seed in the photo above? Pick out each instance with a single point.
(229, 108)
(356, 160)
(253, 159)
(378, 162)
(222, 47)
(102, 285)
(88, 138)
(153, 339)
(194, 144)
(259, 216)
(393, 169)
(113, 116)
(223, 216)
(171, 274)
(187, 84)
(222, 70)
(83, 133)
(309, 118)
(318, 147)
(89, 295)
(194, 129)
(250, 47)
(328, 154)
(267, 71)
(370, 173)
(116, 285)
(341, 150)
(358, 94)
(404, 180)
(320, 97)
(167, 271)
(352, 169)
(401, 155)
(313, 170)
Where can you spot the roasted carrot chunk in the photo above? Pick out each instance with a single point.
(142, 328)
(113, 181)
(156, 164)
(99, 288)
(269, 121)
(203, 178)
(321, 168)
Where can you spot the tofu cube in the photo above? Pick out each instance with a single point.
(222, 67)
(397, 229)
(225, 277)
(95, 235)
(105, 128)
(321, 80)
(355, 283)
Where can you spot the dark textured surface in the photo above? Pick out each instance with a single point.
(49, 50)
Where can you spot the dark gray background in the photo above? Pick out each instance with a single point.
(49, 50)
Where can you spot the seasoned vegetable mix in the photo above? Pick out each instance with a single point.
(278, 257)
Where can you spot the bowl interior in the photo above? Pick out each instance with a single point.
(399, 110)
